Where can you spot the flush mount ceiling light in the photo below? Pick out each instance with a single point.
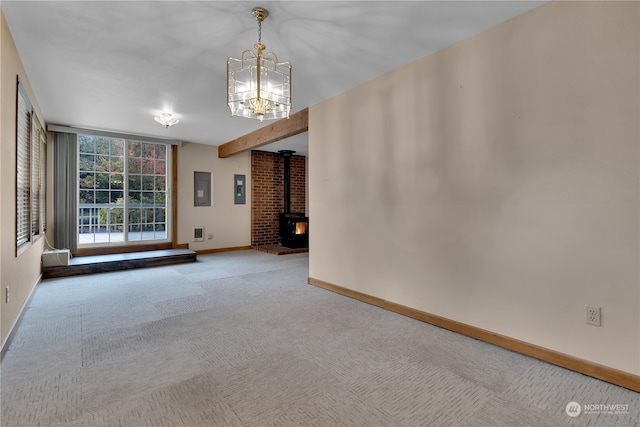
(258, 86)
(166, 120)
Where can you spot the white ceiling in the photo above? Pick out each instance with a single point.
(112, 65)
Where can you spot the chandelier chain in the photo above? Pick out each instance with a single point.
(259, 32)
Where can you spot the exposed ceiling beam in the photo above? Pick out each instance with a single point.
(295, 124)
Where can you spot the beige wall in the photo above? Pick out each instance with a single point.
(495, 182)
(19, 273)
(230, 224)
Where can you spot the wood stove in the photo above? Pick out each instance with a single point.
(294, 230)
(294, 227)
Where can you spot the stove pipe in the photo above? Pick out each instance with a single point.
(286, 154)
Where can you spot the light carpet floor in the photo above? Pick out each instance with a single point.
(241, 339)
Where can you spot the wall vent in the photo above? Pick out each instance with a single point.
(198, 234)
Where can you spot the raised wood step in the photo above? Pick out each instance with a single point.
(115, 262)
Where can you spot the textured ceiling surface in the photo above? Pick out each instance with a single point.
(112, 65)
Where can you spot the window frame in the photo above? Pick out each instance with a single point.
(127, 241)
(30, 183)
(35, 193)
(23, 170)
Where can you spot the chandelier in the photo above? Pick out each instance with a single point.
(258, 86)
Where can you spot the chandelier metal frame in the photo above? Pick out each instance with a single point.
(258, 85)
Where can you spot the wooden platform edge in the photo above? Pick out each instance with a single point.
(604, 373)
(280, 250)
(118, 265)
(124, 249)
(218, 250)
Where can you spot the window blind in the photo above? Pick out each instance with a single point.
(35, 176)
(23, 159)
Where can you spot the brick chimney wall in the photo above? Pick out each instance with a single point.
(267, 193)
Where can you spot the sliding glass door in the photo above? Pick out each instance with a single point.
(122, 191)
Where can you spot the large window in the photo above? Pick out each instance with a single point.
(122, 191)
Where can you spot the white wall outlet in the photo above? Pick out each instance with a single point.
(592, 315)
(210, 236)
